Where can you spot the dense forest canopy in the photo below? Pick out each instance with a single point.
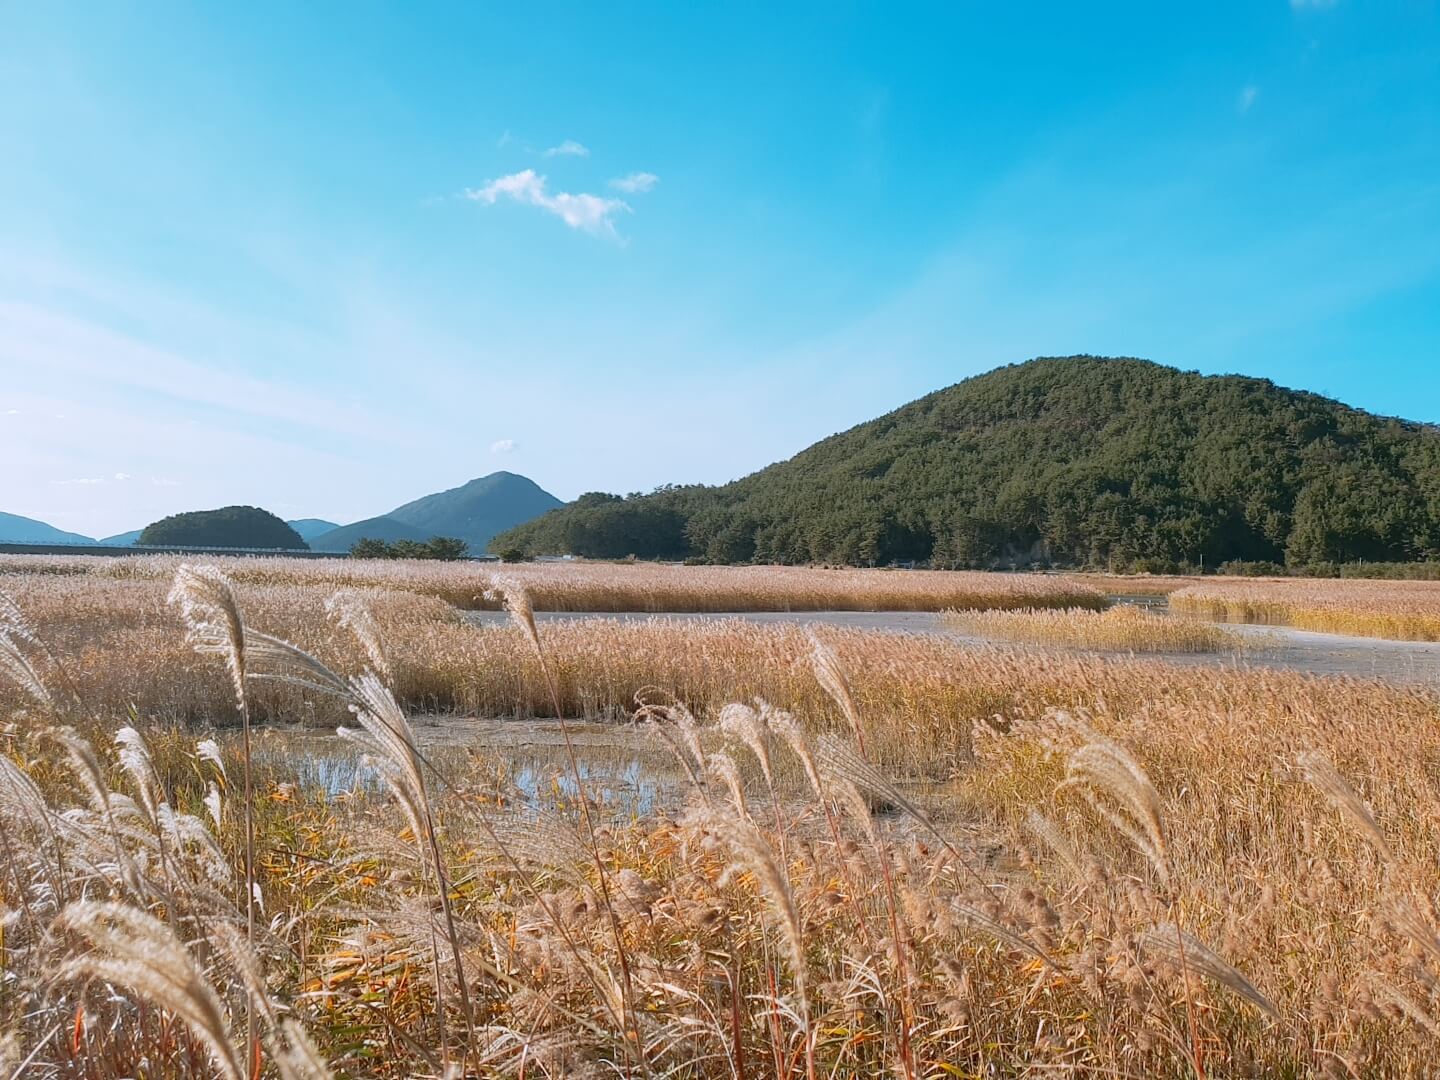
(230, 526)
(1073, 461)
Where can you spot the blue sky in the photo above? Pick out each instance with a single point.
(326, 258)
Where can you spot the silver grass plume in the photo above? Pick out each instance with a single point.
(292, 1051)
(288, 663)
(22, 800)
(999, 931)
(676, 725)
(209, 750)
(13, 622)
(1324, 776)
(15, 664)
(298, 1058)
(788, 728)
(388, 732)
(133, 950)
(831, 677)
(135, 760)
(837, 760)
(388, 742)
(1105, 767)
(539, 838)
(212, 619)
(1406, 1004)
(516, 599)
(86, 767)
(755, 856)
(1175, 945)
(1406, 918)
(350, 611)
(1041, 827)
(723, 765)
(743, 723)
(849, 796)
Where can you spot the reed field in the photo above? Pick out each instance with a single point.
(1400, 610)
(891, 855)
(618, 587)
(1123, 628)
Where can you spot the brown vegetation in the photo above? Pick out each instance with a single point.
(1113, 867)
(1122, 629)
(582, 586)
(1401, 610)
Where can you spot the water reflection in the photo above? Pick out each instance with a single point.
(518, 762)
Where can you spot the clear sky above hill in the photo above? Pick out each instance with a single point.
(326, 258)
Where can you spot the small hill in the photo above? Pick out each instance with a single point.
(124, 539)
(1076, 460)
(344, 537)
(309, 528)
(476, 511)
(15, 529)
(230, 526)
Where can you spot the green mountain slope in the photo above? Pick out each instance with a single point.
(15, 529)
(229, 526)
(344, 537)
(309, 528)
(1075, 460)
(476, 511)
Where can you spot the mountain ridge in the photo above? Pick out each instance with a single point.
(16, 529)
(473, 512)
(1076, 460)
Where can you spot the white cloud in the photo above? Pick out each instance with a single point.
(502, 446)
(12, 412)
(636, 183)
(163, 481)
(592, 213)
(1247, 97)
(122, 476)
(85, 481)
(568, 148)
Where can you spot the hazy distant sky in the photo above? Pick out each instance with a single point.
(328, 257)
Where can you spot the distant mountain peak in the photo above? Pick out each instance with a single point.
(474, 512)
(15, 529)
(478, 509)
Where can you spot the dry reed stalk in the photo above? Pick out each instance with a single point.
(1123, 628)
(1321, 772)
(131, 949)
(1169, 941)
(214, 625)
(1106, 768)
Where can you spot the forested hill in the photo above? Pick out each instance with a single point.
(1075, 460)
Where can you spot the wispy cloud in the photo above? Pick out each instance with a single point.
(636, 183)
(594, 214)
(12, 412)
(163, 481)
(568, 148)
(81, 481)
(502, 446)
(122, 476)
(1247, 97)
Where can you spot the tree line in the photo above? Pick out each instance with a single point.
(1078, 461)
